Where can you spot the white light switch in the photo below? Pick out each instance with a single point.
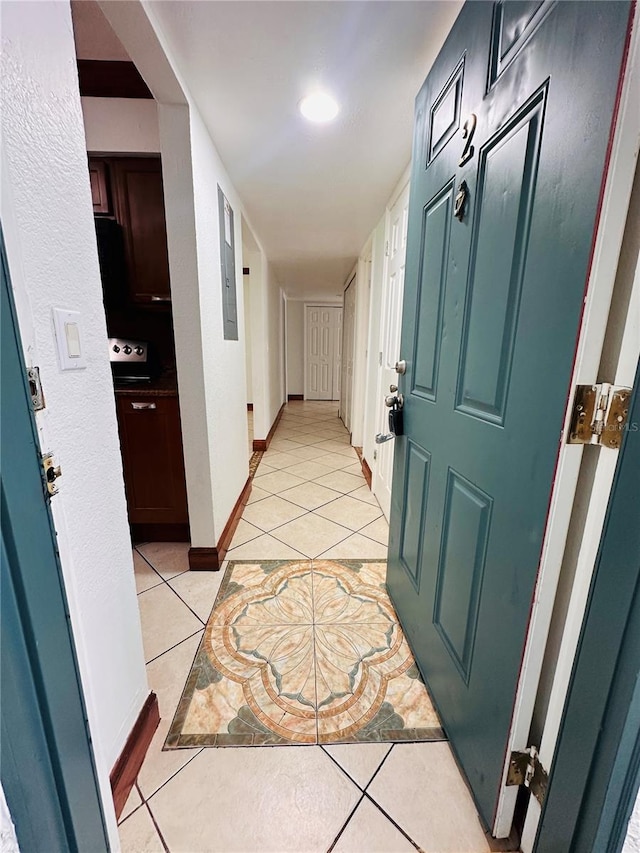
(68, 329)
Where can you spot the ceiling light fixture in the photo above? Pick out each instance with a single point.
(319, 107)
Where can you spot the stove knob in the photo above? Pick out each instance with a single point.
(127, 350)
(139, 351)
(116, 348)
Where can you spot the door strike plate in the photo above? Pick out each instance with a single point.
(525, 769)
(599, 415)
(35, 388)
(51, 473)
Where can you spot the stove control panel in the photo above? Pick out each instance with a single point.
(131, 351)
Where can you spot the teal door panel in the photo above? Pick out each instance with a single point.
(492, 307)
(46, 763)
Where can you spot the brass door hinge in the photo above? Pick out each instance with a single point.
(599, 415)
(525, 769)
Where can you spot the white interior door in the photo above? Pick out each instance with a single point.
(389, 353)
(348, 335)
(322, 351)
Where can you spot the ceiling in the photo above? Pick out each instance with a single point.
(313, 193)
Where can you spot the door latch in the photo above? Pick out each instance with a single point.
(51, 473)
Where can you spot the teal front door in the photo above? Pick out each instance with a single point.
(511, 135)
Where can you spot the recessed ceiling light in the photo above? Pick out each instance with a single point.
(319, 107)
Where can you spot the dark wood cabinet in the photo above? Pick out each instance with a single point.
(139, 207)
(100, 195)
(151, 443)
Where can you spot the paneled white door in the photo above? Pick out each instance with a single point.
(322, 351)
(389, 353)
(348, 335)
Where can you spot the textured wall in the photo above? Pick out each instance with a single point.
(51, 246)
(632, 841)
(295, 346)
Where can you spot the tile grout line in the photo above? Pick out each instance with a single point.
(167, 581)
(346, 823)
(175, 645)
(155, 823)
(391, 820)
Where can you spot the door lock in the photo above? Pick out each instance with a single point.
(401, 367)
(51, 473)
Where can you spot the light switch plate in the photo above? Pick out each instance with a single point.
(68, 328)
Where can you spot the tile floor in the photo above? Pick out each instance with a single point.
(363, 797)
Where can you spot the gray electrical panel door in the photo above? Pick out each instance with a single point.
(228, 268)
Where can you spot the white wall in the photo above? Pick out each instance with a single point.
(8, 840)
(246, 288)
(632, 841)
(372, 402)
(295, 346)
(51, 247)
(122, 125)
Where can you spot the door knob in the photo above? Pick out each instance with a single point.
(393, 388)
(381, 438)
(401, 367)
(393, 400)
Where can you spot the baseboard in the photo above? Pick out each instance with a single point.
(295, 397)
(249, 407)
(262, 444)
(125, 770)
(160, 533)
(204, 560)
(234, 518)
(366, 471)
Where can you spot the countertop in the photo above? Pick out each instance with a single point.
(166, 385)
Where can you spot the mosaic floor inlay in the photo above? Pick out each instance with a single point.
(303, 652)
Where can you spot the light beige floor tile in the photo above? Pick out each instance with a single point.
(248, 800)
(245, 532)
(311, 534)
(308, 469)
(359, 760)
(166, 620)
(378, 530)
(272, 512)
(265, 547)
(307, 453)
(145, 576)
(278, 460)
(334, 461)
(265, 468)
(167, 558)
(369, 831)
(133, 801)
(257, 494)
(284, 444)
(421, 788)
(139, 835)
(356, 468)
(310, 495)
(356, 547)
(349, 512)
(365, 494)
(158, 766)
(278, 481)
(341, 482)
(199, 590)
(168, 673)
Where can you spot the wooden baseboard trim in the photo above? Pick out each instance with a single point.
(249, 407)
(366, 471)
(262, 444)
(125, 770)
(234, 518)
(295, 397)
(204, 560)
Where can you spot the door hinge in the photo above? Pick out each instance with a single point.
(599, 414)
(51, 473)
(525, 769)
(386, 249)
(35, 388)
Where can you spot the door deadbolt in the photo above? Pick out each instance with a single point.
(401, 367)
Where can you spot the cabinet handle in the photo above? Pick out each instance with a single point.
(143, 406)
(161, 299)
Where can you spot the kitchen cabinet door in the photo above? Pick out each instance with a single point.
(151, 442)
(139, 203)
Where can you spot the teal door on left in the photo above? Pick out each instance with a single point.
(46, 765)
(510, 147)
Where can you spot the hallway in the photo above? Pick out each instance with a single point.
(309, 500)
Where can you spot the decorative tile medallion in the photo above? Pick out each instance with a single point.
(303, 652)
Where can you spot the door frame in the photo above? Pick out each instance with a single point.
(596, 770)
(342, 413)
(606, 250)
(49, 773)
(312, 303)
